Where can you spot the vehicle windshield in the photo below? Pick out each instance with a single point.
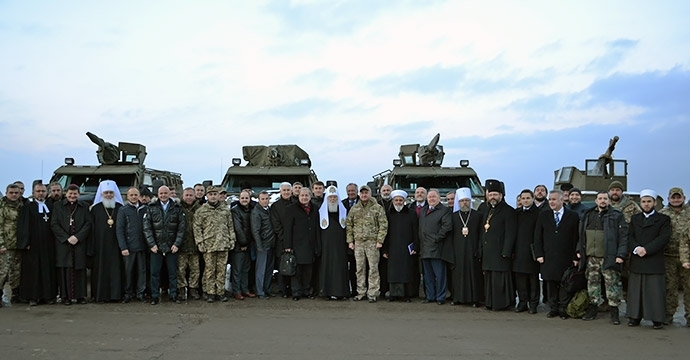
(88, 184)
(261, 183)
(443, 183)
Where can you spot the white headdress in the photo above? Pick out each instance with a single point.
(402, 193)
(648, 192)
(323, 211)
(461, 193)
(107, 185)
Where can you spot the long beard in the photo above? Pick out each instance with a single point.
(332, 207)
(109, 203)
(464, 208)
(398, 208)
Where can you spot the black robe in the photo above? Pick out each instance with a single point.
(106, 276)
(38, 273)
(523, 255)
(467, 284)
(70, 220)
(497, 249)
(402, 231)
(333, 270)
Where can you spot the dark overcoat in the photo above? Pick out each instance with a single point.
(302, 233)
(652, 234)
(523, 260)
(556, 244)
(68, 255)
(435, 237)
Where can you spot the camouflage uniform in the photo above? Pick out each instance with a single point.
(10, 261)
(366, 226)
(676, 253)
(214, 234)
(612, 279)
(189, 253)
(628, 208)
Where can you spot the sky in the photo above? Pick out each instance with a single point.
(518, 88)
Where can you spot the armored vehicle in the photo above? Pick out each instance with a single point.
(598, 175)
(420, 166)
(267, 167)
(123, 164)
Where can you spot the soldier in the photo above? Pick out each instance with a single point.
(621, 202)
(214, 234)
(71, 223)
(602, 248)
(676, 271)
(10, 256)
(240, 257)
(130, 237)
(366, 231)
(188, 258)
(199, 193)
(262, 232)
(164, 226)
(21, 191)
(277, 211)
(575, 204)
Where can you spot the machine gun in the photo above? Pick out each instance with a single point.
(422, 155)
(123, 153)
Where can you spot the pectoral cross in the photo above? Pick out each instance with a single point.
(45, 217)
(71, 221)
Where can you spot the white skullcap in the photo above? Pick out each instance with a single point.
(648, 192)
(402, 193)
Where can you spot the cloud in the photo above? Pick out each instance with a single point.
(428, 80)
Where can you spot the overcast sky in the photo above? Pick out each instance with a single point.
(518, 88)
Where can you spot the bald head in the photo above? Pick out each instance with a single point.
(164, 193)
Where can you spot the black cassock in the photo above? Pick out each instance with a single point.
(498, 240)
(467, 280)
(402, 231)
(333, 270)
(106, 276)
(38, 272)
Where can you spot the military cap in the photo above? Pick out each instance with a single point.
(212, 189)
(616, 184)
(222, 191)
(676, 190)
(364, 188)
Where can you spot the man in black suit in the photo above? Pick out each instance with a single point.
(435, 224)
(555, 240)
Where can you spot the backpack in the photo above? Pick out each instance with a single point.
(577, 306)
(573, 280)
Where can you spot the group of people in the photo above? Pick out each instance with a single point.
(359, 247)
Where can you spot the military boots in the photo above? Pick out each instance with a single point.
(194, 293)
(591, 313)
(614, 315)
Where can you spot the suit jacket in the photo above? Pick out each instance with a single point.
(346, 203)
(556, 244)
(652, 234)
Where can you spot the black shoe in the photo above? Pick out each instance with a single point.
(407, 300)
(263, 297)
(615, 320)
(441, 302)
(668, 320)
(522, 307)
(563, 315)
(658, 325)
(372, 300)
(391, 299)
(210, 298)
(141, 299)
(67, 302)
(81, 301)
(194, 294)
(155, 301)
(223, 298)
(295, 298)
(311, 297)
(532, 309)
(175, 299)
(455, 303)
(634, 322)
(357, 298)
(284, 296)
(33, 302)
(475, 305)
(552, 314)
(127, 299)
(427, 301)
(591, 313)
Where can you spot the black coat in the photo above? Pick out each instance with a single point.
(615, 235)
(556, 244)
(652, 234)
(241, 218)
(38, 271)
(498, 241)
(60, 224)
(435, 236)
(346, 203)
(130, 232)
(402, 231)
(302, 233)
(164, 229)
(262, 230)
(278, 211)
(523, 260)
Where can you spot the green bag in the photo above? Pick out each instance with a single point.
(577, 306)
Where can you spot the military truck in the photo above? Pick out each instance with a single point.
(123, 164)
(267, 167)
(420, 166)
(598, 175)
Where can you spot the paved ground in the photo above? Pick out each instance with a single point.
(320, 329)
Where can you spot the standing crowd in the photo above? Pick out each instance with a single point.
(361, 247)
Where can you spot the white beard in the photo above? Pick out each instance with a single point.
(109, 203)
(398, 208)
(332, 208)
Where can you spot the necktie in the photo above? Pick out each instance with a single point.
(557, 217)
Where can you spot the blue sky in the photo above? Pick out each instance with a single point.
(519, 89)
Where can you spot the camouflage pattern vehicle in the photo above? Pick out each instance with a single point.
(267, 167)
(123, 164)
(598, 175)
(420, 166)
